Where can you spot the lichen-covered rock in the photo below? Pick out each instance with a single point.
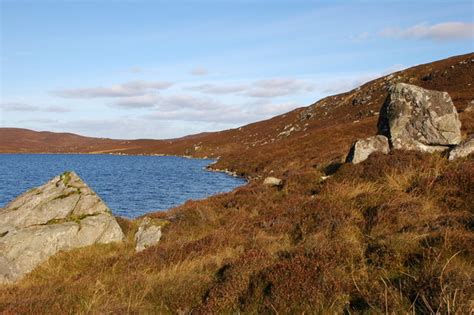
(62, 214)
(272, 181)
(418, 119)
(363, 148)
(148, 234)
(463, 149)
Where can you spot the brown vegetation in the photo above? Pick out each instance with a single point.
(389, 235)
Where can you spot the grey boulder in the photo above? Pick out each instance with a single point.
(463, 149)
(419, 119)
(363, 148)
(63, 214)
(148, 234)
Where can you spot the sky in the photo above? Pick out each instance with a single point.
(165, 69)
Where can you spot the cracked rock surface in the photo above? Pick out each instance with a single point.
(62, 214)
(418, 119)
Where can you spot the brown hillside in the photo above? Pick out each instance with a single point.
(316, 133)
(390, 235)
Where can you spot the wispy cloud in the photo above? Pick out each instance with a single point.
(168, 103)
(133, 102)
(40, 120)
(278, 87)
(132, 88)
(199, 71)
(234, 114)
(23, 107)
(260, 89)
(219, 89)
(135, 70)
(18, 107)
(357, 38)
(439, 32)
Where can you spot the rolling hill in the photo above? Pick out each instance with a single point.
(393, 234)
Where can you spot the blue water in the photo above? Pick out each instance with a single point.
(130, 185)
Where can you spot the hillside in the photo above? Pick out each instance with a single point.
(301, 133)
(390, 235)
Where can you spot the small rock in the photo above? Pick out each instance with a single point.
(470, 107)
(362, 149)
(463, 149)
(272, 181)
(148, 234)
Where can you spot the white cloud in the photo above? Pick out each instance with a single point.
(168, 103)
(132, 88)
(18, 107)
(55, 109)
(40, 121)
(440, 32)
(199, 71)
(23, 107)
(267, 88)
(140, 101)
(278, 87)
(233, 114)
(219, 89)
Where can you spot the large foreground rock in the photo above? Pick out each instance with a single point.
(419, 119)
(362, 149)
(463, 149)
(61, 215)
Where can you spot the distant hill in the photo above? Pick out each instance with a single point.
(326, 127)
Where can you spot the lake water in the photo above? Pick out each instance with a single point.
(130, 185)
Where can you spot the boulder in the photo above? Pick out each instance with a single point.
(463, 149)
(418, 119)
(148, 234)
(62, 214)
(272, 181)
(362, 149)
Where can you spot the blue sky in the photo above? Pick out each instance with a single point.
(164, 69)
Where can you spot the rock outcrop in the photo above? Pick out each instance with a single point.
(148, 234)
(272, 181)
(463, 149)
(61, 215)
(418, 119)
(362, 149)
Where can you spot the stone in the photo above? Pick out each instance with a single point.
(272, 181)
(148, 234)
(469, 108)
(463, 149)
(418, 119)
(363, 148)
(63, 214)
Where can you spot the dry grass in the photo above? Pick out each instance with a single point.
(393, 234)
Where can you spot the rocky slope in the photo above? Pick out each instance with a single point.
(391, 234)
